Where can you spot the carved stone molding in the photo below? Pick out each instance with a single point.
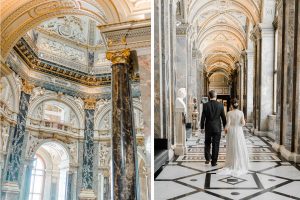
(36, 63)
(256, 33)
(182, 29)
(133, 34)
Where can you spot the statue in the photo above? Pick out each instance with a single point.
(181, 94)
(195, 114)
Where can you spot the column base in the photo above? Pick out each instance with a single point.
(171, 153)
(179, 150)
(87, 195)
(10, 191)
(290, 156)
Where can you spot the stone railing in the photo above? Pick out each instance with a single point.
(51, 125)
(107, 132)
(7, 112)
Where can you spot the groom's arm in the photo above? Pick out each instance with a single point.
(202, 118)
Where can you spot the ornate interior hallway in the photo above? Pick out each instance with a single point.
(187, 177)
(242, 49)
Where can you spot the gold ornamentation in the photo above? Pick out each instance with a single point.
(120, 56)
(27, 87)
(90, 103)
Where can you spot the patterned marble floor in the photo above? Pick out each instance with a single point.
(189, 178)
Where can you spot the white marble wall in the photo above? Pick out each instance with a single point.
(250, 82)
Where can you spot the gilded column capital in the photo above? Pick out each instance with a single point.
(27, 87)
(90, 103)
(119, 56)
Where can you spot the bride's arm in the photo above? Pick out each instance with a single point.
(227, 123)
(243, 120)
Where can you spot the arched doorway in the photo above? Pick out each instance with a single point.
(49, 174)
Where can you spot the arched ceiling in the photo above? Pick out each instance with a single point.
(19, 16)
(222, 27)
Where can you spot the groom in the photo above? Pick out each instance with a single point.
(212, 114)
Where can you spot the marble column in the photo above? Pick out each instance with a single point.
(27, 180)
(87, 190)
(250, 77)
(69, 183)
(124, 153)
(15, 164)
(266, 76)
(256, 38)
(296, 121)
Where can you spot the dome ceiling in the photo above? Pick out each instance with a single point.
(222, 30)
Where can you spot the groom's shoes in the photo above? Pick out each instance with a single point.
(207, 162)
(214, 164)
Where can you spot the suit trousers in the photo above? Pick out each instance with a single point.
(213, 138)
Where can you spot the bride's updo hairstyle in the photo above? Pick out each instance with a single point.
(235, 103)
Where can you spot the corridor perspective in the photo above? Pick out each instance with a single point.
(243, 49)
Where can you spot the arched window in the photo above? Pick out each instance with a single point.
(54, 113)
(37, 179)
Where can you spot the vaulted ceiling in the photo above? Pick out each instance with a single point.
(19, 16)
(222, 30)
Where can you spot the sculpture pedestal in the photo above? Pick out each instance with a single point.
(87, 195)
(180, 132)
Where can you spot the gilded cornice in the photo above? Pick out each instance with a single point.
(38, 64)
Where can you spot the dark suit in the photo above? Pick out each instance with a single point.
(212, 114)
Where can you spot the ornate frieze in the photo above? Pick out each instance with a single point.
(136, 33)
(71, 27)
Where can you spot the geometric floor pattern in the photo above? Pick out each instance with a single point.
(189, 178)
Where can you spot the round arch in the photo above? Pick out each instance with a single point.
(222, 29)
(61, 144)
(106, 108)
(33, 13)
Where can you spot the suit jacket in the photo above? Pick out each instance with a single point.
(212, 114)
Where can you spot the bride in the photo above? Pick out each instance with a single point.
(237, 159)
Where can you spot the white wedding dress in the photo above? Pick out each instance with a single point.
(237, 159)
